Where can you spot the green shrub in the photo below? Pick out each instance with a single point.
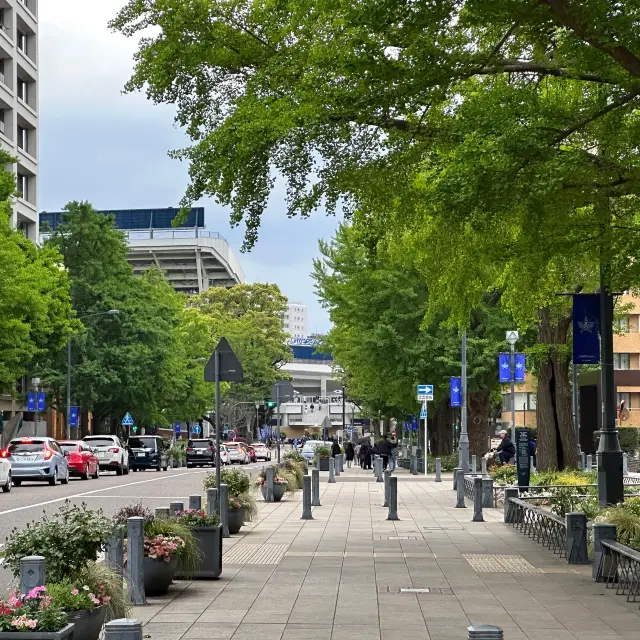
(136, 509)
(68, 540)
(626, 517)
(244, 501)
(295, 469)
(96, 574)
(629, 439)
(296, 456)
(506, 475)
(322, 451)
(237, 481)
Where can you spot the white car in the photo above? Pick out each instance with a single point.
(237, 453)
(309, 449)
(112, 456)
(5, 470)
(224, 455)
(262, 451)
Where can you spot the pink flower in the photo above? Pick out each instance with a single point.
(75, 592)
(35, 592)
(45, 602)
(22, 622)
(106, 599)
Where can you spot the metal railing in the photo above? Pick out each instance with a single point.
(540, 525)
(619, 567)
(543, 491)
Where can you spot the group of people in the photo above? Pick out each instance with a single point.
(364, 451)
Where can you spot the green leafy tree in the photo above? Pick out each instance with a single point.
(35, 308)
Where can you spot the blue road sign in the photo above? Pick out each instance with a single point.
(41, 402)
(195, 429)
(425, 392)
(127, 421)
(31, 401)
(423, 412)
(177, 429)
(73, 417)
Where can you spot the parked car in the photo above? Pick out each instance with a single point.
(81, 459)
(309, 449)
(262, 451)
(252, 453)
(5, 470)
(201, 451)
(37, 459)
(147, 452)
(111, 454)
(224, 454)
(237, 453)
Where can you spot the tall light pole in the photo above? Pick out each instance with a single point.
(464, 436)
(36, 385)
(111, 312)
(257, 421)
(512, 338)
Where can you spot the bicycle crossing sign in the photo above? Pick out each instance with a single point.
(425, 392)
(127, 421)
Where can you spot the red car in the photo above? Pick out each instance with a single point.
(82, 460)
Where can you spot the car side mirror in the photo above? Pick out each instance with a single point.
(66, 454)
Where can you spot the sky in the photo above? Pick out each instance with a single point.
(99, 145)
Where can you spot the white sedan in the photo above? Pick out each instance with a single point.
(112, 456)
(262, 451)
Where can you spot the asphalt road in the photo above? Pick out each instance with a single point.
(110, 492)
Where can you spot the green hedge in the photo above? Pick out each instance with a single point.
(629, 439)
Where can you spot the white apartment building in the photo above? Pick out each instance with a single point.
(19, 105)
(295, 319)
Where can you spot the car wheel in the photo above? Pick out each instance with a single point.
(17, 483)
(54, 478)
(6, 487)
(126, 470)
(165, 468)
(158, 468)
(119, 471)
(96, 475)
(65, 480)
(86, 475)
(134, 470)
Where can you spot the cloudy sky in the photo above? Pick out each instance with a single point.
(111, 149)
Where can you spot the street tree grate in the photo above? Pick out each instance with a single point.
(255, 554)
(489, 563)
(436, 591)
(397, 538)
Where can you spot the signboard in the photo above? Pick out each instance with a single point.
(504, 367)
(303, 342)
(522, 457)
(31, 401)
(520, 367)
(230, 368)
(455, 392)
(73, 417)
(425, 392)
(586, 328)
(195, 429)
(127, 421)
(423, 412)
(41, 401)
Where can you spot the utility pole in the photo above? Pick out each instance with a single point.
(464, 436)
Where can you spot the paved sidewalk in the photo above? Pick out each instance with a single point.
(339, 576)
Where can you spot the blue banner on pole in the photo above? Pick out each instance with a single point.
(586, 328)
(456, 385)
(41, 401)
(31, 401)
(504, 367)
(520, 367)
(414, 424)
(73, 417)
(177, 428)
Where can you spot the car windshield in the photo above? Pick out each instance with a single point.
(26, 446)
(100, 442)
(232, 446)
(258, 445)
(142, 443)
(71, 448)
(199, 444)
(311, 446)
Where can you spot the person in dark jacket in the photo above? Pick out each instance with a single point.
(350, 454)
(532, 452)
(506, 449)
(384, 451)
(335, 449)
(365, 455)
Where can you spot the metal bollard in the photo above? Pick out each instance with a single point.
(306, 499)
(393, 499)
(270, 476)
(583, 459)
(455, 477)
(114, 553)
(123, 629)
(315, 488)
(336, 465)
(589, 462)
(195, 502)
(212, 501)
(413, 465)
(487, 493)
(175, 506)
(341, 462)
(387, 477)
(224, 509)
(531, 466)
(474, 464)
(477, 500)
(162, 513)
(460, 491)
(576, 538)
(602, 532)
(32, 573)
(438, 470)
(483, 463)
(509, 511)
(332, 470)
(378, 470)
(625, 464)
(135, 560)
(484, 632)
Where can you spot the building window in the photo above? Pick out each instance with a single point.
(620, 360)
(1, 120)
(23, 185)
(622, 324)
(23, 138)
(21, 41)
(23, 92)
(627, 399)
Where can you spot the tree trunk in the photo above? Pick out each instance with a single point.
(440, 429)
(478, 423)
(556, 440)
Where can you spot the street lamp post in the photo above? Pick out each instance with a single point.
(464, 436)
(36, 385)
(512, 338)
(111, 312)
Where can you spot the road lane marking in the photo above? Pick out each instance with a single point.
(90, 493)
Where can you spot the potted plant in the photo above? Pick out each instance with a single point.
(321, 457)
(242, 505)
(160, 562)
(34, 616)
(207, 533)
(279, 485)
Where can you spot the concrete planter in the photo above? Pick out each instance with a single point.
(64, 634)
(209, 543)
(236, 520)
(324, 464)
(158, 575)
(88, 623)
(278, 491)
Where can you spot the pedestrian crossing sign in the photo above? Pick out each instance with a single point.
(127, 421)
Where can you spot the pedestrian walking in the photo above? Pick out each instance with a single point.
(349, 453)
(384, 448)
(357, 452)
(335, 449)
(393, 456)
(366, 451)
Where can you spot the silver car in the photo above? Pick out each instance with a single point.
(37, 459)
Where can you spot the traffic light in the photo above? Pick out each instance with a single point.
(135, 428)
(270, 404)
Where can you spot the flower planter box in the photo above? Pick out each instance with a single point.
(209, 543)
(236, 520)
(158, 575)
(278, 491)
(68, 633)
(324, 464)
(88, 623)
